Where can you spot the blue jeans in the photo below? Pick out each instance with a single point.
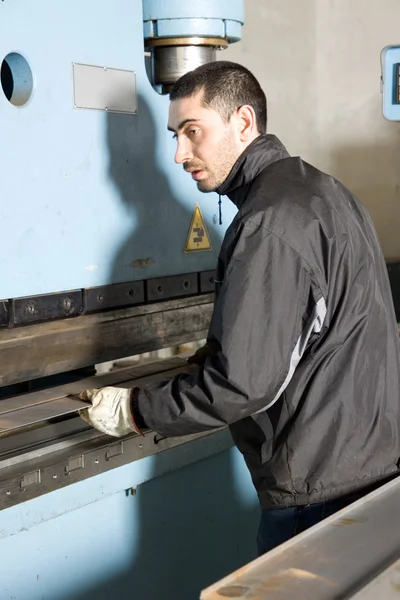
(279, 525)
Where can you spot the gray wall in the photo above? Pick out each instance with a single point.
(319, 64)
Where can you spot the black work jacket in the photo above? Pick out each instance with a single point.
(305, 357)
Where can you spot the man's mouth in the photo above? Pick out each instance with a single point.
(196, 175)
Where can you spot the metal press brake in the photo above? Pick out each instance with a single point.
(107, 251)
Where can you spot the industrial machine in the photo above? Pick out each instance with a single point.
(107, 251)
(356, 552)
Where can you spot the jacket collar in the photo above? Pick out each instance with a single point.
(262, 152)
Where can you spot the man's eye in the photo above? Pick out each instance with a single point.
(193, 131)
(174, 137)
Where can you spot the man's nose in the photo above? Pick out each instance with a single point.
(183, 152)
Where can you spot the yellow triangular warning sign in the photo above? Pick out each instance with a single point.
(198, 239)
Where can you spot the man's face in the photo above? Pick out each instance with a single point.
(207, 146)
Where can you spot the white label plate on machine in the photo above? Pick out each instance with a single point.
(105, 88)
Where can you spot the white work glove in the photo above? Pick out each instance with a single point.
(110, 412)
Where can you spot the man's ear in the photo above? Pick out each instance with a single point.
(247, 126)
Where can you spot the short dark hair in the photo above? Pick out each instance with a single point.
(227, 86)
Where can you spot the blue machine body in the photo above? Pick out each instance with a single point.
(200, 17)
(192, 520)
(390, 60)
(89, 195)
(93, 197)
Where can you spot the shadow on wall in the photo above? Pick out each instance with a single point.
(159, 221)
(372, 173)
(187, 528)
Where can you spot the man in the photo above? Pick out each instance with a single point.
(303, 357)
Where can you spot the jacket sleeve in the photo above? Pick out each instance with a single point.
(257, 328)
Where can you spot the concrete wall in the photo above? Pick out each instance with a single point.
(319, 64)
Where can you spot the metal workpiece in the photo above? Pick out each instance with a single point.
(41, 411)
(385, 587)
(34, 469)
(42, 405)
(352, 554)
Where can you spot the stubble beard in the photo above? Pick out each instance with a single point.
(224, 159)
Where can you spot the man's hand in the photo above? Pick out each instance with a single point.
(110, 412)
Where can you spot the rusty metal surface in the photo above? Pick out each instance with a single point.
(336, 559)
(385, 587)
(44, 349)
(28, 310)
